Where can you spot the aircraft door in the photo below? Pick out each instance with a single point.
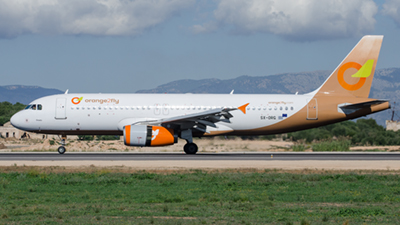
(312, 109)
(61, 109)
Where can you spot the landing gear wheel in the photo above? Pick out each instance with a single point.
(61, 149)
(190, 148)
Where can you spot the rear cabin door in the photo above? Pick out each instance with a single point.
(61, 109)
(312, 109)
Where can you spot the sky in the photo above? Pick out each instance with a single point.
(121, 46)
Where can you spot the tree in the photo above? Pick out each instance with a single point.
(7, 110)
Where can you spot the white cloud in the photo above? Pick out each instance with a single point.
(392, 9)
(299, 20)
(92, 17)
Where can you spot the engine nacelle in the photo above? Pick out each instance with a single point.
(142, 135)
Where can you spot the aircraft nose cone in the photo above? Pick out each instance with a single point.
(15, 120)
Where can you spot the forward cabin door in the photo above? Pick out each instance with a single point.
(312, 109)
(61, 109)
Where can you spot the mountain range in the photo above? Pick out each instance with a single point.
(24, 94)
(385, 86)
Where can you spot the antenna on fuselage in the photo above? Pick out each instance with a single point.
(232, 92)
(66, 92)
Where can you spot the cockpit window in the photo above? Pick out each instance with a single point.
(34, 107)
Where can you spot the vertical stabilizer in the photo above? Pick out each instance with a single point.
(354, 75)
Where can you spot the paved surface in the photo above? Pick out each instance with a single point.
(286, 156)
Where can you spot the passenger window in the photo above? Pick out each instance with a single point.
(33, 107)
(291, 108)
(280, 108)
(39, 107)
(286, 108)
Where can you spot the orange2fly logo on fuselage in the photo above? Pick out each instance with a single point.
(76, 100)
(363, 72)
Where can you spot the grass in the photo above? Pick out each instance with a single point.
(198, 197)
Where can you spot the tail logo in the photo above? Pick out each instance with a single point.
(363, 72)
(76, 100)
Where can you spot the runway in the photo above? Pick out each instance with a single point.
(282, 156)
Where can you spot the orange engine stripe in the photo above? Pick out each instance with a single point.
(128, 134)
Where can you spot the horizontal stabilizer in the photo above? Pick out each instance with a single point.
(348, 108)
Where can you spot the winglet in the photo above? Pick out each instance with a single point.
(243, 108)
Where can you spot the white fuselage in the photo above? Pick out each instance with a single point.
(108, 113)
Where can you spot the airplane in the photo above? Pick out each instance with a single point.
(160, 119)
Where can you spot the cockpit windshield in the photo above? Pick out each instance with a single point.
(34, 107)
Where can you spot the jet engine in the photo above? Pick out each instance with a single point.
(142, 135)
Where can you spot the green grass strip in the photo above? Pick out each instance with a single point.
(198, 197)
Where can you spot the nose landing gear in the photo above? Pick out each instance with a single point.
(62, 148)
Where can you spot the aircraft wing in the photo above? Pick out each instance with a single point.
(198, 121)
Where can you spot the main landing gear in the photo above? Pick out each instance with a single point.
(62, 148)
(190, 147)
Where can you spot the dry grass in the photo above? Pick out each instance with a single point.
(123, 169)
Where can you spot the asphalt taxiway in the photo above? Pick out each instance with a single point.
(178, 161)
(290, 156)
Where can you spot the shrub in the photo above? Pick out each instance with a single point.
(361, 132)
(299, 148)
(107, 137)
(85, 137)
(327, 146)
(268, 137)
